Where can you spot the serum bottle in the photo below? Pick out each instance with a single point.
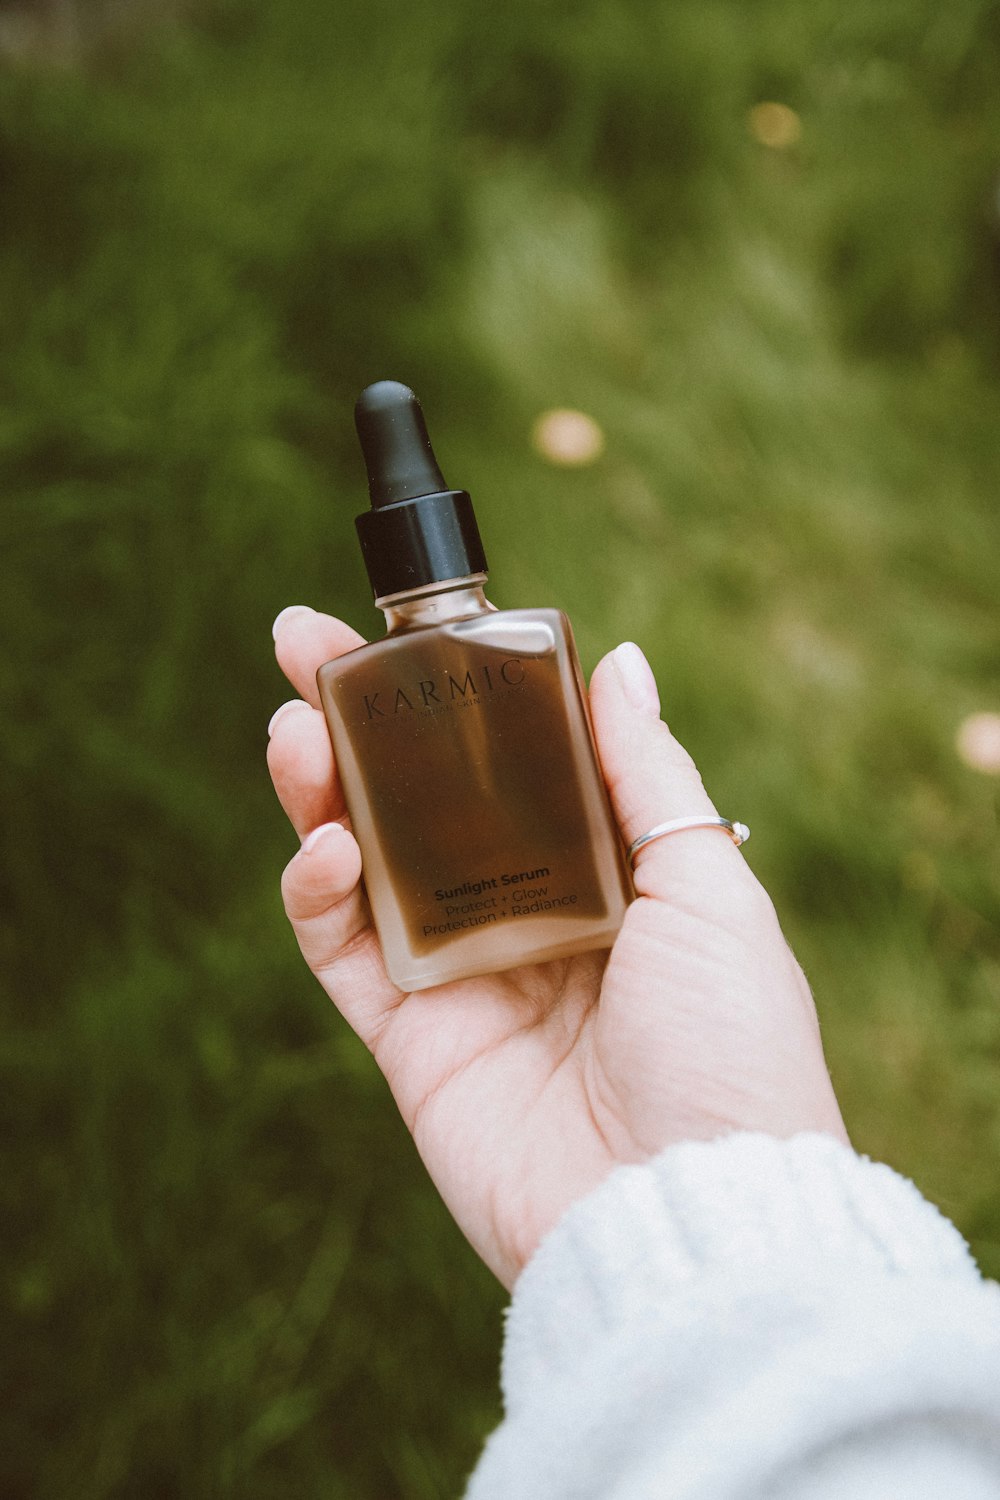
(463, 740)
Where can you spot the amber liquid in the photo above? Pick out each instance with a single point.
(473, 786)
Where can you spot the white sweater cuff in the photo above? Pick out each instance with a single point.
(748, 1212)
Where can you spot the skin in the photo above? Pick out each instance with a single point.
(524, 1089)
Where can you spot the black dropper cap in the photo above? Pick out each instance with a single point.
(418, 531)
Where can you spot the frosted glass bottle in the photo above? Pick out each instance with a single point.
(473, 785)
(463, 740)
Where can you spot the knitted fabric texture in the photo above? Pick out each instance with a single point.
(750, 1317)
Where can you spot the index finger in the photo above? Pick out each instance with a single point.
(304, 639)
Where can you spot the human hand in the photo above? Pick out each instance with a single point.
(524, 1089)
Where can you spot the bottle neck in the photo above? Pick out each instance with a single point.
(452, 599)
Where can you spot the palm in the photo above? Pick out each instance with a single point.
(492, 1076)
(524, 1088)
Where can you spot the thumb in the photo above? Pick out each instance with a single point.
(652, 779)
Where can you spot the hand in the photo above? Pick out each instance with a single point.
(524, 1089)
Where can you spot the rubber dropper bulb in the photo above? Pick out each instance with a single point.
(417, 531)
(397, 451)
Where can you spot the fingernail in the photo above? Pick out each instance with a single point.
(312, 839)
(636, 677)
(286, 614)
(280, 712)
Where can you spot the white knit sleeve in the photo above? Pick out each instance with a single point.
(750, 1317)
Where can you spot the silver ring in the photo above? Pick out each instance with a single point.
(738, 832)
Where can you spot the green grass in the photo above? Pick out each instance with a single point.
(228, 1272)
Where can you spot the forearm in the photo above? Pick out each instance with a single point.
(750, 1316)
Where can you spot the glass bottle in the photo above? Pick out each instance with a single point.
(463, 741)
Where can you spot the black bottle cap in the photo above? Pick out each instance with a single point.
(417, 531)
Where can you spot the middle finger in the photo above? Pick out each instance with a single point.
(300, 759)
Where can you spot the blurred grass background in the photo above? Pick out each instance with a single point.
(218, 221)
